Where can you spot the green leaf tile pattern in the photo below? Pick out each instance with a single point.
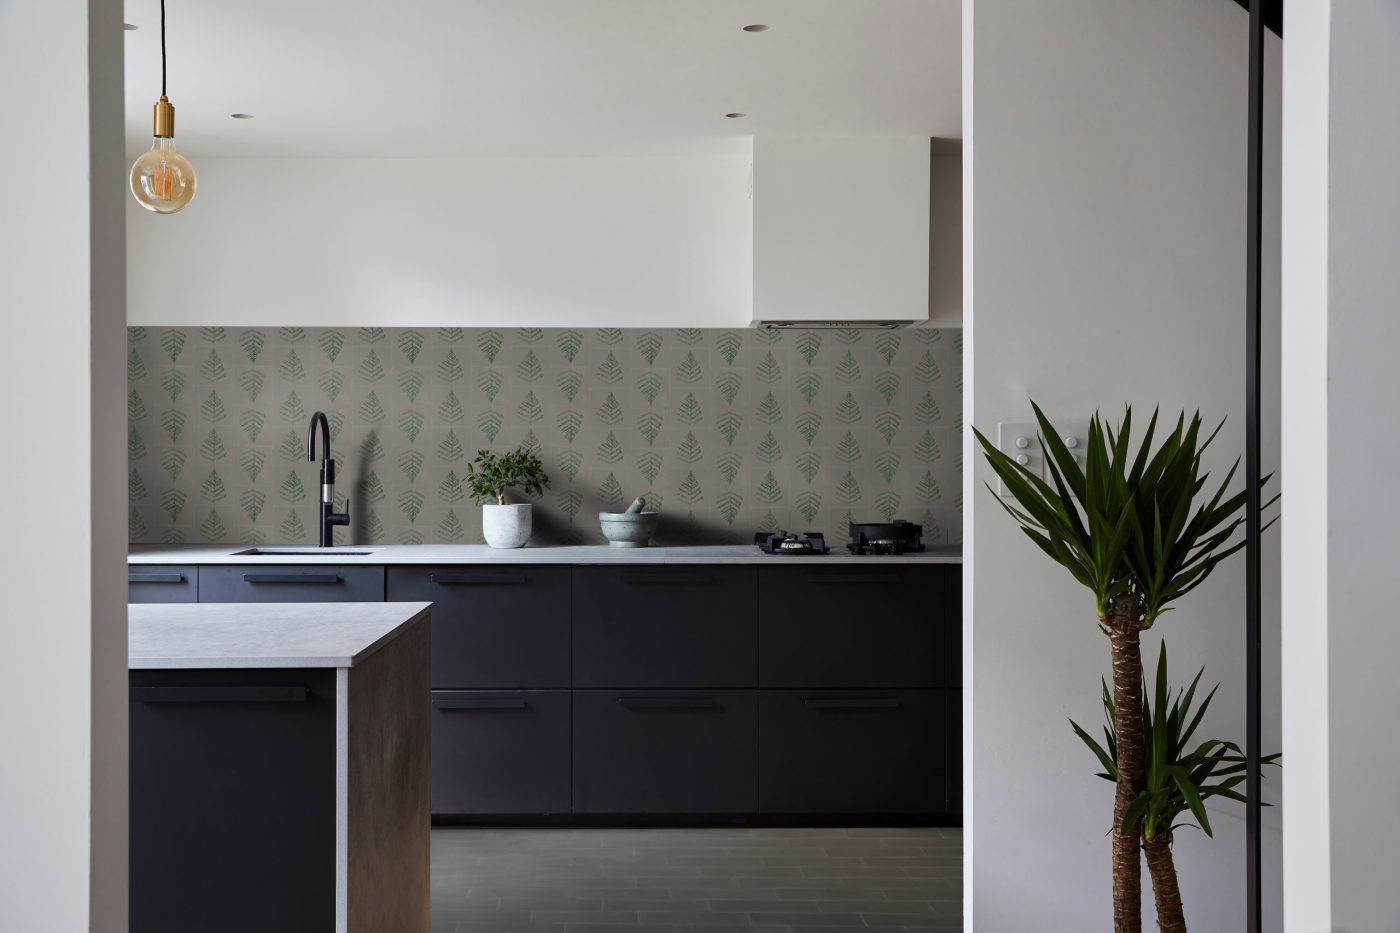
(331, 343)
(733, 430)
(172, 383)
(410, 344)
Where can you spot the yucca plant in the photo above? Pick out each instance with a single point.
(1177, 779)
(1126, 526)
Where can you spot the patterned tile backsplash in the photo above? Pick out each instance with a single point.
(726, 431)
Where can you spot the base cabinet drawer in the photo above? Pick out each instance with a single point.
(853, 751)
(875, 625)
(291, 584)
(500, 752)
(665, 751)
(662, 627)
(147, 583)
(493, 627)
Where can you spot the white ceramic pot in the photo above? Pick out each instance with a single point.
(506, 526)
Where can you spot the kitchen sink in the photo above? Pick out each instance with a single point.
(305, 552)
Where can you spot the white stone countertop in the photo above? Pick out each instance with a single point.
(481, 554)
(262, 635)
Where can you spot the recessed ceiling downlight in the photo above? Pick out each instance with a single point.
(736, 116)
(757, 27)
(241, 116)
(130, 28)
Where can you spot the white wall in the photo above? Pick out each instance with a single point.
(450, 242)
(840, 228)
(1104, 263)
(63, 667)
(1341, 201)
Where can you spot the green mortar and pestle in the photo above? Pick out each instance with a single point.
(632, 528)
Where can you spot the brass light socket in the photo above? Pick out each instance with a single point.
(164, 118)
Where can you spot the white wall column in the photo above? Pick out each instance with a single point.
(1104, 263)
(1340, 454)
(63, 668)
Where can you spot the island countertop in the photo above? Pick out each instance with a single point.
(400, 554)
(193, 636)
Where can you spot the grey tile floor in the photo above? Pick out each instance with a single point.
(696, 880)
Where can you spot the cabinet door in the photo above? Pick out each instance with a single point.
(232, 800)
(501, 753)
(664, 751)
(147, 583)
(873, 625)
(857, 751)
(291, 584)
(955, 757)
(953, 613)
(493, 627)
(664, 627)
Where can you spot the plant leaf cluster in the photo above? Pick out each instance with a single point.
(1177, 779)
(1123, 521)
(490, 474)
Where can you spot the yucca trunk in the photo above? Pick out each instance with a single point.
(1123, 630)
(1163, 870)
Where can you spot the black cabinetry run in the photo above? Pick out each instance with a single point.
(828, 689)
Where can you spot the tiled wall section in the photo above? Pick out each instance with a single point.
(727, 431)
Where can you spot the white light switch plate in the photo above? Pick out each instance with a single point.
(1019, 439)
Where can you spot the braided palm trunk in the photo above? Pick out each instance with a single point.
(1124, 627)
(1163, 870)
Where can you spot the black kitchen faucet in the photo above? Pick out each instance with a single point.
(329, 517)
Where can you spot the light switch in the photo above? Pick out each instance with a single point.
(1075, 434)
(1018, 440)
(1021, 442)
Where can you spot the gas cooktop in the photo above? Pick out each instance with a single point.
(867, 539)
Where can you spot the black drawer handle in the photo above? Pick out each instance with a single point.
(291, 577)
(852, 702)
(155, 578)
(221, 694)
(486, 701)
(486, 578)
(852, 578)
(669, 579)
(667, 702)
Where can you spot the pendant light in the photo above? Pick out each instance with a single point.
(162, 180)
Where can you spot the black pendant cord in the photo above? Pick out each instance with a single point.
(162, 48)
(1253, 469)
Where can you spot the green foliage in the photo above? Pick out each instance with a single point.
(1123, 521)
(491, 474)
(1176, 780)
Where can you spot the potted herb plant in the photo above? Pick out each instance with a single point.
(489, 476)
(1126, 525)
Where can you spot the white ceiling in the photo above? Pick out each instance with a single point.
(539, 77)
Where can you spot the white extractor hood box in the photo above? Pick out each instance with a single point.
(840, 231)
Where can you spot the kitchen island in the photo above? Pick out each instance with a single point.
(279, 767)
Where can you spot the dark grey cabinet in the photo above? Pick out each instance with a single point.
(827, 687)
(852, 751)
(501, 752)
(493, 627)
(665, 751)
(148, 583)
(291, 584)
(225, 761)
(875, 625)
(659, 627)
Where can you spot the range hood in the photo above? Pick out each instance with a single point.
(856, 324)
(840, 232)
